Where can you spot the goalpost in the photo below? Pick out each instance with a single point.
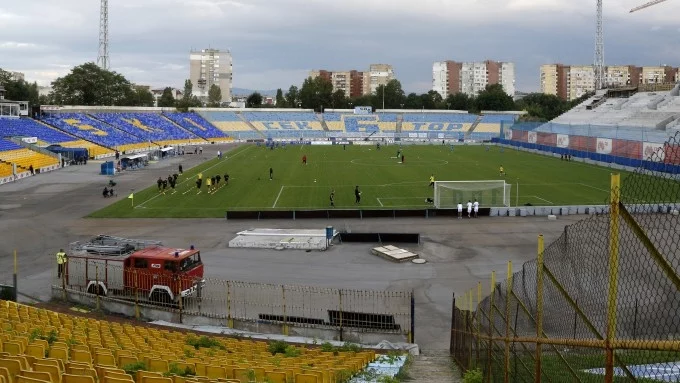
(494, 193)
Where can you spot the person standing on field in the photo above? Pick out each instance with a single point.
(332, 198)
(475, 206)
(62, 258)
(460, 210)
(357, 195)
(469, 209)
(271, 174)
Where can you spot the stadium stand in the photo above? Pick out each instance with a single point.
(231, 124)
(150, 127)
(285, 124)
(353, 123)
(438, 122)
(62, 348)
(26, 127)
(490, 126)
(88, 128)
(196, 124)
(24, 157)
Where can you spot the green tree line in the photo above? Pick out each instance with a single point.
(317, 93)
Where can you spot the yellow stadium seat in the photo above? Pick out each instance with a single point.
(104, 359)
(12, 348)
(157, 365)
(85, 371)
(54, 372)
(306, 378)
(155, 379)
(36, 375)
(58, 353)
(215, 372)
(7, 373)
(23, 379)
(146, 374)
(276, 377)
(109, 379)
(23, 363)
(67, 378)
(81, 356)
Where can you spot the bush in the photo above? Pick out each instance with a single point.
(174, 369)
(204, 342)
(277, 347)
(132, 368)
(473, 376)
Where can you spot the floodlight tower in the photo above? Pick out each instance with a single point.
(643, 6)
(599, 49)
(103, 56)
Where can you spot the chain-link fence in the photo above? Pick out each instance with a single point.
(601, 303)
(302, 306)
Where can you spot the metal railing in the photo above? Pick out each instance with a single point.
(598, 304)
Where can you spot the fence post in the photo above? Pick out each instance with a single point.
(230, 321)
(96, 283)
(413, 318)
(613, 275)
(452, 341)
(478, 322)
(340, 313)
(468, 328)
(285, 319)
(539, 308)
(179, 291)
(491, 340)
(14, 277)
(63, 277)
(508, 294)
(137, 313)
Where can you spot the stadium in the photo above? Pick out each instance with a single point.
(310, 245)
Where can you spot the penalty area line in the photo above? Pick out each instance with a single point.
(543, 199)
(381, 204)
(278, 196)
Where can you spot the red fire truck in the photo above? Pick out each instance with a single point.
(133, 269)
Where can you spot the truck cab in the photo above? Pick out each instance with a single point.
(164, 274)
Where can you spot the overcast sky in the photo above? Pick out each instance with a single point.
(274, 43)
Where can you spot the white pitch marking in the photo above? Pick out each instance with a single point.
(381, 204)
(278, 196)
(189, 179)
(543, 199)
(593, 187)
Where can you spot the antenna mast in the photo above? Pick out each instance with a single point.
(103, 56)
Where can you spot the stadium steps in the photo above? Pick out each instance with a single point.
(434, 367)
(323, 122)
(250, 124)
(104, 149)
(474, 125)
(34, 148)
(186, 130)
(400, 121)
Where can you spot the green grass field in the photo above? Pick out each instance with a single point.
(385, 183)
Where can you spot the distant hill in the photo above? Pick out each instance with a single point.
(246, 92)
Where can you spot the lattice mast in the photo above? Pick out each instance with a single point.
(599, 49)
(103, 55)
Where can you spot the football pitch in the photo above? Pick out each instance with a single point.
(384, 182)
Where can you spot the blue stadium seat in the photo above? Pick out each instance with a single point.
(498, 118)
(459, 118)
(280, 116)
(30, 128)
(86, 127)
(148, 126)
(8, 145)
(196, 124)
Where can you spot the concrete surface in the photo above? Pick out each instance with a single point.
(41, 214)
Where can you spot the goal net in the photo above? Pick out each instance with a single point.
(447, 194)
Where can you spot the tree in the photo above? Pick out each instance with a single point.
(188, 90)
(394, 95)
(166, 100)
(542, 106)
(214, 96)
(494, 98)
(88, 84)
(188, 99)
(292, 97)
(413, 101)
(339, 100)
(459, 101)
(280, 101)
(254, 100)
(316, 93)
(144, 97)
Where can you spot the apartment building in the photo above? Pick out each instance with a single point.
(357, 83)
(208, 67)
(452, 77)
(570, 82)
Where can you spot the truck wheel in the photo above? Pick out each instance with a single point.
(96, 289)
(161, 298)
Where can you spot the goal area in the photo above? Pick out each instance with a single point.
(494, 193)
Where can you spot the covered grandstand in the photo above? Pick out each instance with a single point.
(624, 127)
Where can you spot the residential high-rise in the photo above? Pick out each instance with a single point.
(571, 82)
(451, 77)
(356, 83)
(208, 67)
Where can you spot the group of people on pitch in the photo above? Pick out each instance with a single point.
(212, 182)
(472, 208)
(164, 182)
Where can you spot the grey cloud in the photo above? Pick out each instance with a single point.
(275, 43)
